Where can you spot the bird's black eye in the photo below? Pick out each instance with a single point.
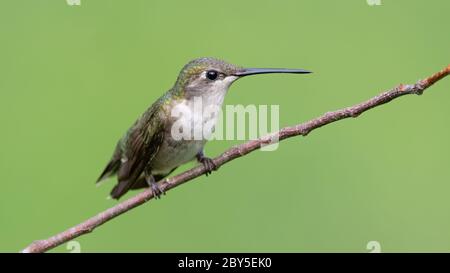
(212, 74)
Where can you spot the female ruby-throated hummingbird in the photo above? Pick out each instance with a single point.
(148, 151)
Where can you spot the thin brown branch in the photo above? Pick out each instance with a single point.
(233, 153)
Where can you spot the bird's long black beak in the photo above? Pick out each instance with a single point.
(254, 71)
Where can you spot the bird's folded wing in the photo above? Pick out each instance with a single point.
(141, 145)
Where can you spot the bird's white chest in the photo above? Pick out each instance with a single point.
(192, 125)
(196, 118)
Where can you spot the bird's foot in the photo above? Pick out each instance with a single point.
(157, 190)
(209, 164)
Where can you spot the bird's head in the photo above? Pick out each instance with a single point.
(205, 76)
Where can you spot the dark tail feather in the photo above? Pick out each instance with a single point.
(141, 183)
(110, 169)
(120, 189)
(124, 186)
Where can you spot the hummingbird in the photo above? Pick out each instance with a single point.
(148, 151)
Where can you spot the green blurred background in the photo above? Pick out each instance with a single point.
(74, 78)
